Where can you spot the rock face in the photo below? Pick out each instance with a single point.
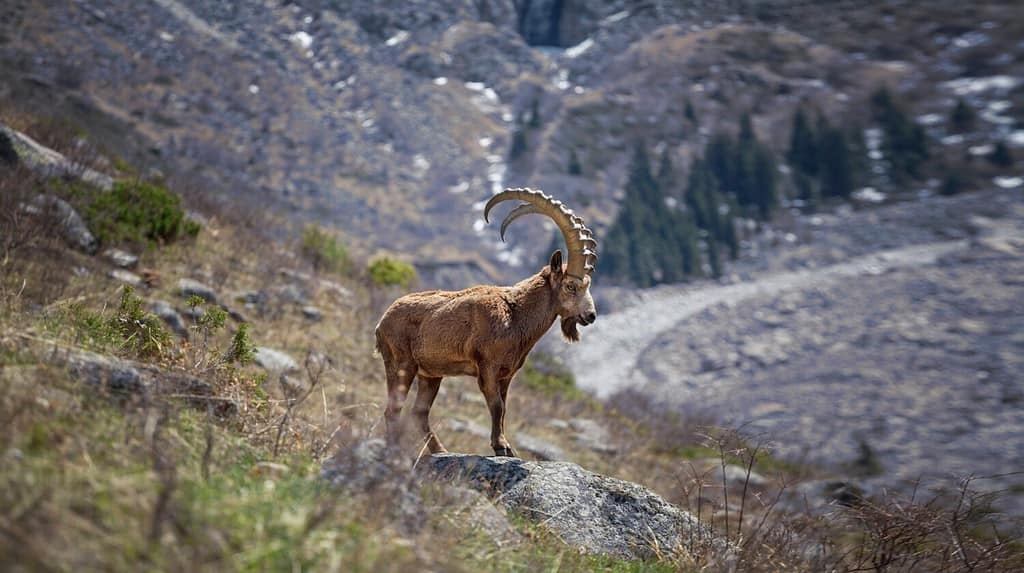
(594, 513)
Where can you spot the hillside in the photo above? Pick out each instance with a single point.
(390, 122)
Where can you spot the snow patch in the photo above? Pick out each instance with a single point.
(486, 141)
(579, 49)
(980, 150)
(440, 81)
(460, 188)
(973, 86)
(421, 163)
(1008, 182)
(929, 119)
(254, 89)
(616, 17)
(397, 38)
(301, 39)
(869, 195)
(1016, 138)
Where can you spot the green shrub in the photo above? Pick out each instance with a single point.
(325, 251)
(133, 212)
(389, 272)
(548, 376)
(141, 332)
(242, 349)
(129, 328)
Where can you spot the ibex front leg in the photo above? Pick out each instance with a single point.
(495, 390)
(425, 394)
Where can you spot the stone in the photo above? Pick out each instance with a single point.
(593, 513)
(123, 259)
(312, 313)
(130, 380)
(593, 436)
(275, 360)
(522, 442)
(189, 287)
(126, 277)
(73, 227)
(737, 475)
(171, 318)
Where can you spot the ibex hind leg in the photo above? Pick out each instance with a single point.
(426, 391)
(400, 377)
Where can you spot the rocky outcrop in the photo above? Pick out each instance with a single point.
(594, 513)
(72, 226)
(129, 380)
(48, 162)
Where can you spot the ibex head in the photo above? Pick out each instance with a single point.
(570, 282)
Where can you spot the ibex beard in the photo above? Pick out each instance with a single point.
(485, 331)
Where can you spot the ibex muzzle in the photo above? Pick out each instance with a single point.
(486, 331)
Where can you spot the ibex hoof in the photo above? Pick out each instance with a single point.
(506, 451)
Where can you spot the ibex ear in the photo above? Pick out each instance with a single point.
(556, 261)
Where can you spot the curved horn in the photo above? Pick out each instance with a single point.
(579, 240)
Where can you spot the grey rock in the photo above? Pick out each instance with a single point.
(126, 379)
(73, 227)
(737, 475)
(126, 277)
(275, 360)
(593, 513)
(171, 318)
(537, 447)
(123, 259)
(593, 436)
(312, 313)
(189, 287)
(48, 162)
(292, 293)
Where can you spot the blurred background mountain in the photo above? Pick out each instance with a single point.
(678, 129)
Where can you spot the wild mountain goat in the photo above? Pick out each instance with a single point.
(486, 331)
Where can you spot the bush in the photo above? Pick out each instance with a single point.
(129, 328)
(389, 272)
(141, 332)
(242, 349)
(549, 377)
(141, 212)
(324, 251)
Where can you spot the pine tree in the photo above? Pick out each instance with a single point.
(802, 145)
(835, 165)
(690, 113)
(518, 147)
(905, 143)
(575, 168)
(963, 117)
(1001, 156)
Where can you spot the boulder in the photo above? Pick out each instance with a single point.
(312, 313)
(126, 277)
(591, 512)
(123, 259)
(130, 380)
(171, 318)
(189, 287)
(72, 226)
(275, 361)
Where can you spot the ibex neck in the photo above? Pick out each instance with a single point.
(534, 306)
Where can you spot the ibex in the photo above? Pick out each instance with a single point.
(486, 331)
